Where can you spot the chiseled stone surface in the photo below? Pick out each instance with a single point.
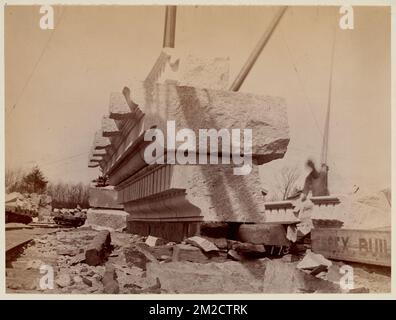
(212, 193)
(196, 108)
(186, 69)
(101, 142)
(109, 127)
(106, 219)
(105, 197)
(204, 72)
(118, 107)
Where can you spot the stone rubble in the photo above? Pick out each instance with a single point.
(134, 267)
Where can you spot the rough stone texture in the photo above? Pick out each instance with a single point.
(106, 219)
(99, 248)
(267, 276)
(204, 72)
(109, 280)
(202, 243)
(118, 107)
(281, 277)
(101, 142)
(64, 280)
(238, 200)
(109, 127)
(136, 257)
(152, 241)
(161, 251)
(105, 197)
(189, 277)
(218, 109)
(263, 234)
(313, 260)
(186, 69)
(183, 252)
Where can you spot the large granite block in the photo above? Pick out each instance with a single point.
(196, 193)
(196, 109)
(105, 197)
(106, 219)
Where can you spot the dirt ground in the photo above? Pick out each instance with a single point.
(140, 269)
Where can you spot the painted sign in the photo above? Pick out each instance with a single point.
(366, 246)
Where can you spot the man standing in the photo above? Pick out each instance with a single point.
(316, 181)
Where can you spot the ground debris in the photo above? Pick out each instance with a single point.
(202, 243)
(137, 268)
(313, 260)
(99, 248)
(185, 252)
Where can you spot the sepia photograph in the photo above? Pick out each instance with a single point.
(197, 149)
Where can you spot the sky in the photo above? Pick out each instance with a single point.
(57, 82)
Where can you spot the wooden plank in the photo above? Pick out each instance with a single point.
(365, 246)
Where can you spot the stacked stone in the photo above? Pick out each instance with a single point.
(170, 200)
(105, 212)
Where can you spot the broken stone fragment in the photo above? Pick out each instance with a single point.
(64, 280)
(87, 281)
(304, 227)
(79, 258)
(313, 260)
(235, 255)
(184, 252)
(159, 251)
(98, 249)
(77, 279)
(319, 270)
(292, 233)
(280, 277)
(202, 243)
(135, 257)
(152, 241)
(109, 280)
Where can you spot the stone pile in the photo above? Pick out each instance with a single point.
(139, 265)
(70, 217)
(23, 207)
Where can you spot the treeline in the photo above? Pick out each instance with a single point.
(64, 195)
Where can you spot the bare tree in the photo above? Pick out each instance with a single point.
(286, 182)
(13, 179)
(67, 195)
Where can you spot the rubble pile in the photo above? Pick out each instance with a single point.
(24, 207)
(91, 261)
(70, 217)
